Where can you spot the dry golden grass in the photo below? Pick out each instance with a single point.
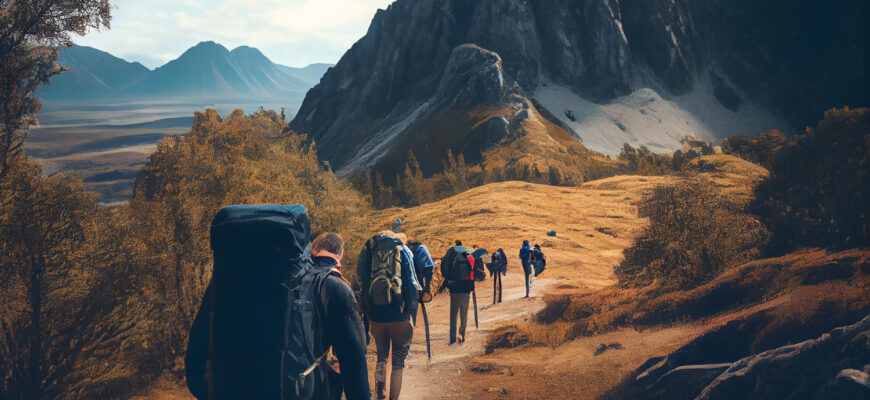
(502, 215)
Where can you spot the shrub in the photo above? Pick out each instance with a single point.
(642, 161)
(694, 234)
(759, 150)
(818, 191)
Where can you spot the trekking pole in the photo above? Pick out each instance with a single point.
(474, 298)
(426, 327)
(494, 284)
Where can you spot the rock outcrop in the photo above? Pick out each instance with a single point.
(609, 72)
(832, 366)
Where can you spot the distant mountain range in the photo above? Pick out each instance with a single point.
(205, 71)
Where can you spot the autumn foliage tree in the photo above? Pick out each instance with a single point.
(30, 33)
(221, 161)
(44, 223)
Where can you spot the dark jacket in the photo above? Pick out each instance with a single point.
(344, 332)
(501, 265)
(388, 313)
(525, 253)
(456, 286)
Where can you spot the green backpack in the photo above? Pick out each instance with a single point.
(386, 272)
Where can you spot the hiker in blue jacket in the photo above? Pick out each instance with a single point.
(423, 264)
(525, 258)
(391, 326)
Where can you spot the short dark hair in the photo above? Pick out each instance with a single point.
(458, 242)
(328, 241)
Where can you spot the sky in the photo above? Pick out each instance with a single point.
(295, 33)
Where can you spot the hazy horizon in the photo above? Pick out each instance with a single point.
(295, 33)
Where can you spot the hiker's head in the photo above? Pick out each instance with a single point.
(500, 250)
(537, 246)
(525, 242)
(458, 243)
(328, 244)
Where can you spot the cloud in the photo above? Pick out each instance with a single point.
(291, 32)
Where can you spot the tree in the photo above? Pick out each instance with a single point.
(30, 33)
(44, 225)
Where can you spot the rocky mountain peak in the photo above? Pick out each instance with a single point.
(644, 72)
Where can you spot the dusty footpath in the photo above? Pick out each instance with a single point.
(437, 378)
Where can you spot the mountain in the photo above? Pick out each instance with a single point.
(474, 75)
(91, 73)
(310, 74)
(204, 72)
(209, 70)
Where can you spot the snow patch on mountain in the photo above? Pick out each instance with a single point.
(644, 117)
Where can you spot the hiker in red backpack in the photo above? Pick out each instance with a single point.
(457, 268)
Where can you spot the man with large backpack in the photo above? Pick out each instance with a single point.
(390, 298)
(457, 268)
(270, 315)
(525, 259)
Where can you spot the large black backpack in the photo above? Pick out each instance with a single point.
(265, 333)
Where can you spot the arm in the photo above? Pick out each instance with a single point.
(407, 253)
(344, 332)
(409, 290)
(363, 271)
(197, 348)
(428, 267)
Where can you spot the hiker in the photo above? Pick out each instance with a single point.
(415, 276)
(457, 267)
(525, 258)
(497, 268)
(424, 266)
(538, 260)
(244, 335)
(386, 274)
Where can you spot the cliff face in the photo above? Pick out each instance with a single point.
(607, 71)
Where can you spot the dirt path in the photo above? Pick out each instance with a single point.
(426, 379)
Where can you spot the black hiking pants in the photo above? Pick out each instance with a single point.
(496, 288)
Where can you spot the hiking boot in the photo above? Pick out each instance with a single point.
(452, 342)
(380, 390)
